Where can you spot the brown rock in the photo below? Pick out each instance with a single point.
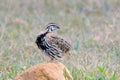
(46, 71)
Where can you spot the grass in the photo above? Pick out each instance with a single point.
(92, 27)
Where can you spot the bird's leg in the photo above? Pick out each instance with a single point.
(53, 60)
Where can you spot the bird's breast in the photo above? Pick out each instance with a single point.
(43, 45)
(40, 41)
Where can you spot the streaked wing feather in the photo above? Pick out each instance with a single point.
(59, 43)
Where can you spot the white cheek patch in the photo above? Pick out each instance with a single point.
(52, 28)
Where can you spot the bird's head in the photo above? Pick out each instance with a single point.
(52, 26)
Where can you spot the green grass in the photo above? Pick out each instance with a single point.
(92, 27)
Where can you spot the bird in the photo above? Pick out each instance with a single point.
(55, 47)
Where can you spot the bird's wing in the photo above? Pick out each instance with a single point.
(59, 43)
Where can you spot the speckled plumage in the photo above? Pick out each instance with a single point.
(55, 47)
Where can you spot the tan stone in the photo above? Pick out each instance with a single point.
(46, 71)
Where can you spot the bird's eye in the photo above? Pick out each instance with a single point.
(52, 28)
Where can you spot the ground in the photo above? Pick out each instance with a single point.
(91, 26)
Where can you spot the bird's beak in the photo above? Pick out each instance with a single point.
(57, 27)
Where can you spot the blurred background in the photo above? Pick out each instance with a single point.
(91, 26)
